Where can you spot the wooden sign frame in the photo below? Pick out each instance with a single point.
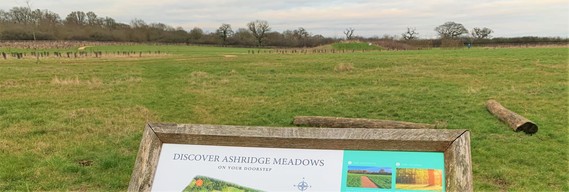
(455, 144)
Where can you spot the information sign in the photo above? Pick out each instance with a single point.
(237, 158)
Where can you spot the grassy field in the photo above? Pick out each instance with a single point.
(207, 184)
(353, 180)
(381, 181)
(75, 124)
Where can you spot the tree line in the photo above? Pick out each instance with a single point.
(24, 23)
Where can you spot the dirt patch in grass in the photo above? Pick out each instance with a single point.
(85, 163)
(83, 48)
(502, 184)
(367, 183)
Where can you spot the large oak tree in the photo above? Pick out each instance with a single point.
(259, 28)
(451, 30)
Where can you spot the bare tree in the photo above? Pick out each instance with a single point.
(349, 32)
(243, 36)
(138, 23)
(196, 34)
(142, 28)
(224, 31)
(451, 30)
(481, 33)
(76, 18)
(259, 28)
(29, 21)
(48, 20)
(93, 20)
(109, 23)
(300, 35)
(35, 20)
(20, 15)
(4, 16)
(410, 34)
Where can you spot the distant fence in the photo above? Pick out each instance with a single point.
(75, 54)
(56, 44)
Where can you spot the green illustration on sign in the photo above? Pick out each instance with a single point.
(393, 171)
(207, 184)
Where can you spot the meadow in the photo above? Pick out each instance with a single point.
(76, 124)
(381, 181)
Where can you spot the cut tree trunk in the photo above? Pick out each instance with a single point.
(515, 121)
(338, 122)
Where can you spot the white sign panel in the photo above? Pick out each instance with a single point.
(197, 167)
(217, 168)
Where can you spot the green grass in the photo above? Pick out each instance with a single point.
(215, 185)
(60, 113)
(382, 181)
(354, 180)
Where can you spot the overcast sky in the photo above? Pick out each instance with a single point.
(369, 18)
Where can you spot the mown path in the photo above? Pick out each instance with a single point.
(367, 183)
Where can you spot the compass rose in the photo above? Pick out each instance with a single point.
(303, 185)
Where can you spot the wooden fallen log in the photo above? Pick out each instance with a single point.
(338, 122)
(515, 121)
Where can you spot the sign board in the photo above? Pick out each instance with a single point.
(178, 157)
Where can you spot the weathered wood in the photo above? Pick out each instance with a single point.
(146, 161)
(515, 121)
(338, 122)
(454, 143)
(458, 165)
(309, 138)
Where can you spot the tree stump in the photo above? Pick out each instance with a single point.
(338, 122)
(515, 121)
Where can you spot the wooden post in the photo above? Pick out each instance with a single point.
(515, 121)
(338, 122)
(458, 164)
(146, 161)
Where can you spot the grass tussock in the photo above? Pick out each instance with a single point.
(94, 82)
(344, 67)
(134, 80)
(65, 81)
(9, 84)
(233, 72)
(199, 74)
